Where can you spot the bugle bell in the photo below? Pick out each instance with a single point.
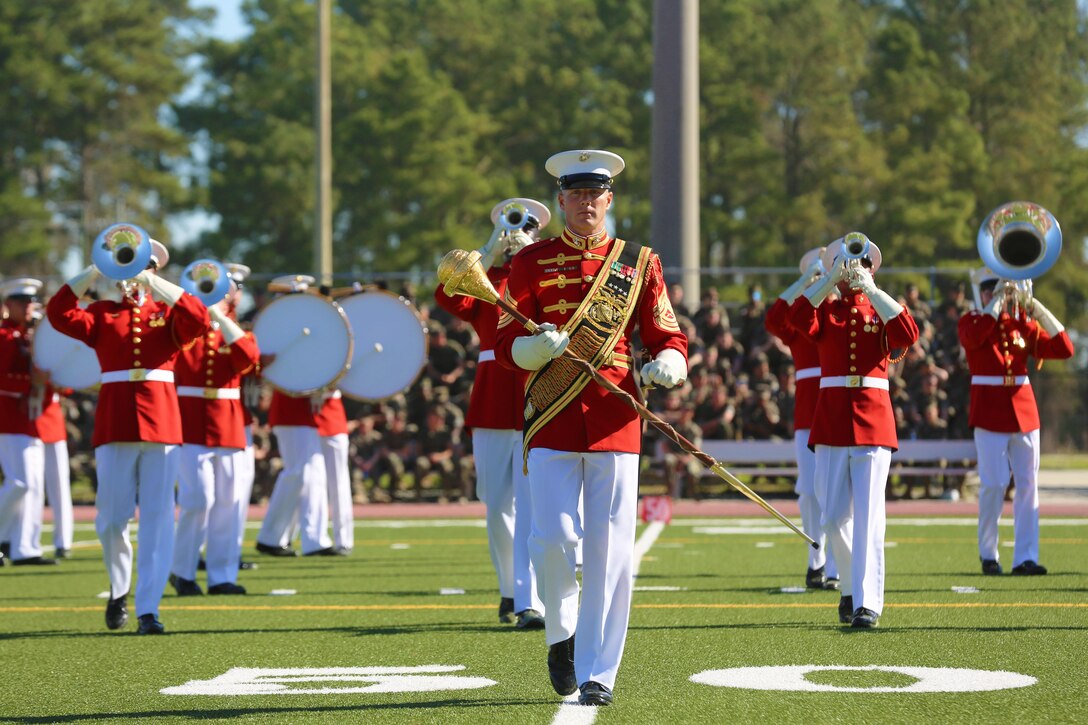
(513, 216)
(855, 245)
(207, 280)
(1019, 240)
(121, 251)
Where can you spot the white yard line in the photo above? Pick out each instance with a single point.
(570, 712)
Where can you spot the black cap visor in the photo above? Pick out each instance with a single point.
(585, 181)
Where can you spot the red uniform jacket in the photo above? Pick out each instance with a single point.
(211, 364)
(852, 341)
(498, 393)
(127, 336)
(805, 357)
(548, 280)
(1001, 348)
(330, 420)
(15, 388)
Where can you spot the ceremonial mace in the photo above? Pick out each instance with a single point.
(460, 273)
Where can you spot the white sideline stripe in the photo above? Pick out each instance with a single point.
(570, 712)
(892, 521)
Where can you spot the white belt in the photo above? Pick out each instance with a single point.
(486, 355)
(1003, 380)
(853, 381)
(138, 375)
(806, 373)
(189, 391)
(334, 395)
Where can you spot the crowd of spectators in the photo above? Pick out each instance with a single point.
(740, 386)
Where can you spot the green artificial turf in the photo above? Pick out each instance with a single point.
(717, 603)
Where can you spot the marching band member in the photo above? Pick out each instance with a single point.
(137, 422)
(822, 572)
(301, 486)
(1004, 415)
(208, 376)
(495, 417)
(590, 291)
(853, 430)
(22, 453)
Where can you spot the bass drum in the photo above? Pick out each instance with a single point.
(390, 345)
(69, 362)
(311, 339)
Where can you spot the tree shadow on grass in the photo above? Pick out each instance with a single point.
(301, 713)
(884, 628)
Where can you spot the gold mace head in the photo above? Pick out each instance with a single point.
(460, 273)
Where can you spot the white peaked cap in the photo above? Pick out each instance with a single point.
(159, 253)
(297, 282)
(585, 168)
(534, 207)
(237, 272)
(27, 286)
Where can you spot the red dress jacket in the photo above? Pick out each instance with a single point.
(548, 281)
(498, 393)
(852, 341)
(127, 336)
(1001, 348)
(212, 365)
(330, 419)
(805, 358)
(15, 388)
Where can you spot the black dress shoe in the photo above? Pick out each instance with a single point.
(506, 610)
(594, 693)
(227, 588)
(116, 613)
(990, 567)
(815, 578)
(530, 619)
(327, 551)
(846, 609)
(36, 561)
(202, 565)
(1028, 568)
(5, 549)
(275, 550)
(246, 565)
(61, 553)
(185, 587)
(832, 584)
(561, 667)
(865, 619)
(150, 624)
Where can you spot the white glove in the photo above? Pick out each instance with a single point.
(161, 289)
(83, 281)
(493, 251)
(794, 291)
(516, 241)
(997, 303)
(822, 287)
(232, 333)
(862, 281)
(1045, 318)
(35, 402)
(531, 352)
(668, 369)
(886, 307)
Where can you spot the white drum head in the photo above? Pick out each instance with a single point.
(311, 339)
(69, 362)
(390, 345)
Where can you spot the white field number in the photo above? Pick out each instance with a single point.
(287, 681)
(793, 678)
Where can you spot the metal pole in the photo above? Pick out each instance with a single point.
(675, 150)
(323, 132)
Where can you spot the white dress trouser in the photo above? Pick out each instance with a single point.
(208, 507)
(128, 472)
(58, 491)
(609, 484)
(810, 505)
(1000, 454)
(334, 449)
(22, 497)
(245, 472)
(300, 490)
(504, 488)
(850, 482)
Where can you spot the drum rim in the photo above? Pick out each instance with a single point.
(426, 343)
(350, 350)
